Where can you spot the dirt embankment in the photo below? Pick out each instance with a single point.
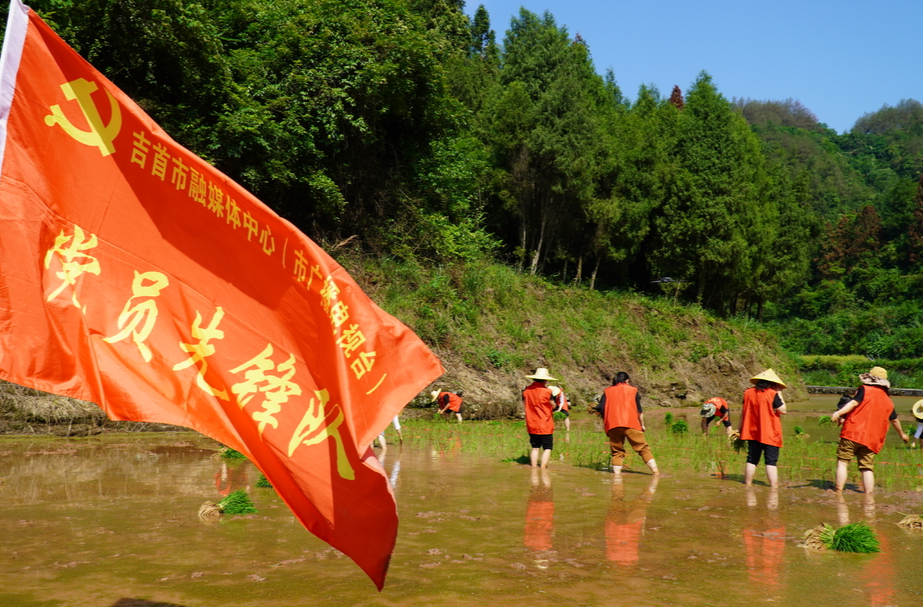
(496, 393)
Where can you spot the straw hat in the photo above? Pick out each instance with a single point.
(435, 395)
(708, 409)
(554, 390)
(917, 410)
(768, 375)
(542, 373)
(878, 372)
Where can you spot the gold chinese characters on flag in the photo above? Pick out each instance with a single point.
(135, 275)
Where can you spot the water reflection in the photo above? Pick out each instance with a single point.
(625, 522)
(230, 478)
(540, 512)
(764, 542)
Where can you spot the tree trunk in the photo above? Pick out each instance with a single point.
(538, 247)
(579, 275)
(595, 270)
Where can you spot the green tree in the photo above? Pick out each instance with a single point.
(712, 225)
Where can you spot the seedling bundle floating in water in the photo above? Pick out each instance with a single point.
(857, 537)
(237, 502)
(228, 453)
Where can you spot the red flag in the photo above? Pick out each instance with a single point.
(135, 275)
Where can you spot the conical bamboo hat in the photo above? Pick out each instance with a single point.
(768, 375)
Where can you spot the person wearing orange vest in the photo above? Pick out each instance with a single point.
(561, 404)
(539, 405)
(623, 418)
(448, 401)
(865, 421)
(761, 426)
(716, 409)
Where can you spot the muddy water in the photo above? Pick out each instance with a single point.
(113, 523)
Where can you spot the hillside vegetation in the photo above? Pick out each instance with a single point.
(492, 325)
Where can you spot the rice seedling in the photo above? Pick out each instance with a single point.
(558, 416)
(679, 427)
(858, 537)
(263, 482)
(824, 420)
(228, 453)
(668, 419)
(238, 502)
(806, 460)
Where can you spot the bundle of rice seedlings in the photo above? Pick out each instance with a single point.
(857, 537)
(819, 537)
(237, 502)
(558, 416)
(911, 521)
(738, 444)
(668, 419)
(680, 427)
(824, 420)
(263, 482)
(228, 453)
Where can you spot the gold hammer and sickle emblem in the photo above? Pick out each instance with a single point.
(100, 135)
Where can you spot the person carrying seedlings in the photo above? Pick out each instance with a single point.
(761, 426)
(623, 418)
(539, 405)
(865, 421)
(561, 404)
(448, 401)
(716, 409)
(917, 411)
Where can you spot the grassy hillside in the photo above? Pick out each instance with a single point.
(492, 325)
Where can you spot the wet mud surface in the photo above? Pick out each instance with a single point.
(111, 521)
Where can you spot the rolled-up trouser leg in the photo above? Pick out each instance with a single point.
(639, 443)
(617, 445)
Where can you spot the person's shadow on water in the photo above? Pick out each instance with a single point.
(142, 603)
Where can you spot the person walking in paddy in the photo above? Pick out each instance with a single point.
(623, 417)
(539, 406)
(761, 426)
(865, 421)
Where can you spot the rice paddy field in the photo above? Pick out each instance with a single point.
(111, 521)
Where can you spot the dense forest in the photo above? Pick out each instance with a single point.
(410, 131)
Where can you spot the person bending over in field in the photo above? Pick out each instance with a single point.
(448, 401)
(716, 409)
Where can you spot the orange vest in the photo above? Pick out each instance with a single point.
(455, 401)
(719, 402)
(758, 420)
(867, 424)
(537, 401)
(562, 400)
(621, 407)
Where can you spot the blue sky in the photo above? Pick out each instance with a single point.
(841, 59)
